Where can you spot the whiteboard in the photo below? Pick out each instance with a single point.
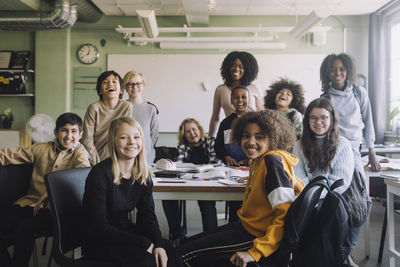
(175, 81)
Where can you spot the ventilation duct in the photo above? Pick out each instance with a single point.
(64, 15)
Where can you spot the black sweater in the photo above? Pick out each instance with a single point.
(106, 206)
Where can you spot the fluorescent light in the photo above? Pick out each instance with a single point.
(305, 25)
(201, 39)
(147, 20)
(222, 46)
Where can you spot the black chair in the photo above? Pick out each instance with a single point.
(14, 183)
(65, 189)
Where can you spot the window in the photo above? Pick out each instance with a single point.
(395, 67)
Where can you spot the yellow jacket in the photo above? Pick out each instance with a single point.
(271, 188)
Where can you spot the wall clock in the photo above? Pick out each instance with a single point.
(88, 54)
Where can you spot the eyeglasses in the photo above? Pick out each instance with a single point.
(314, 119)
(134, 84)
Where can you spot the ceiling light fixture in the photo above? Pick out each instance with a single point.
(305, 25)
(147, 20)
(224, 46)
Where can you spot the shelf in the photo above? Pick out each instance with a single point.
(24, 70)
(16, 95)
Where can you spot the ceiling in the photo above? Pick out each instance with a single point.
(240, 7)
(198, 11)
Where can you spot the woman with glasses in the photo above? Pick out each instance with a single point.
(321, 150)
(145, 112)
(238, 68)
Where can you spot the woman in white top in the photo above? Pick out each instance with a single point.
(238, 68)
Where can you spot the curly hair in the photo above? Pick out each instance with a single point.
(272, 123)
(104, 76)
(181, 133)
(284, 83)
(327, 64)
(320, 157)
(249, 63)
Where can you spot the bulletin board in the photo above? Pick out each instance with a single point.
(183, 85)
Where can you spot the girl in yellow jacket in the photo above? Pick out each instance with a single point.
(271, 188)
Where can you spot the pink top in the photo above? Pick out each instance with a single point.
(222, 98)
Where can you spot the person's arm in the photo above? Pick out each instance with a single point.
(342, 165)
(300, 168)
(154, 127)
(280, 193)
(80, 158)
(98, 191)
(297, 122)
(215, 113)
(89, 123)
(146, 219)
(211, 152)
(219, 145)
(17, 155)
(368, 131)
(258, 98)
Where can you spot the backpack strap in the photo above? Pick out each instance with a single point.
(336, 184)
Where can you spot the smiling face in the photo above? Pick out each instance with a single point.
(128, 142)
(239, 100)
(283, 99)
(254, 142)
(338, 75)
(110, 88)
(68, 135)
(237, 70)
(192, 133)
(135, 86)
(320, 121)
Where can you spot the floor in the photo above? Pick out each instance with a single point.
(194, 226)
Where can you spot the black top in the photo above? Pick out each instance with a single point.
(107, 206)
(197, 156)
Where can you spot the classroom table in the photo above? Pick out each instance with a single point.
(393, 188)
(368, 174)
(196, 190)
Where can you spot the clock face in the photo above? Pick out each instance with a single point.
(88, 54)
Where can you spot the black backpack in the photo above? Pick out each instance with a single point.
(317, 231)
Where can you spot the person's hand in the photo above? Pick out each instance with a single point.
(241, 258)
(242, 179)
(373, 161)
(150, 249)
(244, 162)
(161, 257)
(38, 204)
(230, 161)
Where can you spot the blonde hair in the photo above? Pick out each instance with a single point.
(140, 170)
(181, 134)
(130, 74)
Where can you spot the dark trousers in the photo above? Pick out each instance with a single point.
(234, 206)
(18, 226)
(215, 249)
(129, 255)
(208, 216)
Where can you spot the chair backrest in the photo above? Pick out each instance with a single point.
(14, 183)
(65, 190)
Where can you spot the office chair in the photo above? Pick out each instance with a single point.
(65, 189)
(14, 183)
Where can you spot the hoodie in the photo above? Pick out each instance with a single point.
(270, 190)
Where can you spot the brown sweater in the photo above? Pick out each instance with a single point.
(95, 127)
(45, 157)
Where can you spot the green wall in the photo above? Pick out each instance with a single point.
(55, 54)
